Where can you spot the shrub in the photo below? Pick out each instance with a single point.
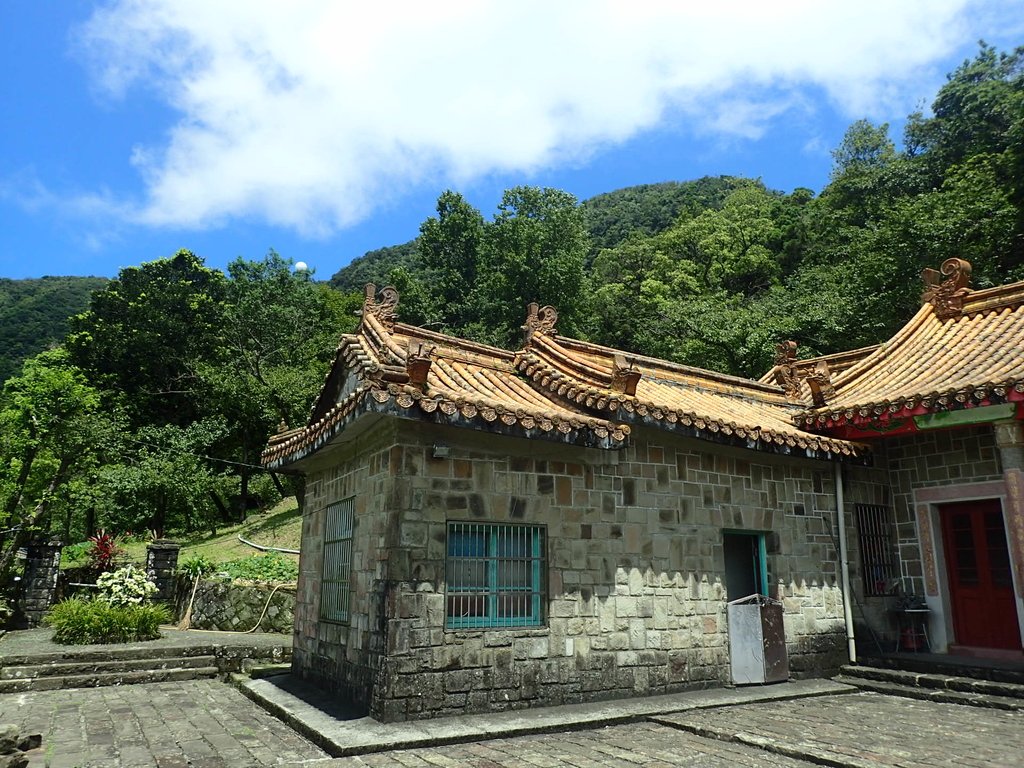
(196, 566)
(81, 621)
(125, 586)
(103, 551)
(270, 567)
(76, 554)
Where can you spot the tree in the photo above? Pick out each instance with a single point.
(534, 250)
(49, 426)
(450, 253)
(143, 334)
(280, 331)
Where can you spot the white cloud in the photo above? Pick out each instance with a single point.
(308, 114)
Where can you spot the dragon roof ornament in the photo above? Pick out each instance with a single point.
(384, 308)
(947, 296)
(539, 320)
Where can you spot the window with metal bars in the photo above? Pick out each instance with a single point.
(878, 565)
(494, 575)
(335, 585)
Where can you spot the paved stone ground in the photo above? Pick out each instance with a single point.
(200, 723)
(866, 730)
(206, 724)
(870, 729)
(617, 746)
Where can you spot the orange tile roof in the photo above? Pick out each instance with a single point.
(554, 387)
(671, 396)
(944, 358)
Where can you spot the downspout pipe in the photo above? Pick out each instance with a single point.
(844, 566)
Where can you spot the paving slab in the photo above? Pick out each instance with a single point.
(867, 730)
(165, 725)
(340, 731)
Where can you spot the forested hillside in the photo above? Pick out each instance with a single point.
(34, 314)
(154, 412)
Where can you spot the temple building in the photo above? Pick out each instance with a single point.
(486, 529)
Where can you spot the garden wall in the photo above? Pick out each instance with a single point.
(227, 607)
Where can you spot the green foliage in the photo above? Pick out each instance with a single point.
(125, 586)
(195, 566)
(270, 567)
(34, 315)
(648, 209)
(80, 621)
(374, 267)
(142, 335)
(50, 428)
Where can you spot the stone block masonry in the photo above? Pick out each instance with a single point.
(227, 607)
(635, 597)
(42, 566)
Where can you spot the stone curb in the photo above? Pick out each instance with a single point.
(341, 738)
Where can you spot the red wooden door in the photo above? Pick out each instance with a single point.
(980, 582)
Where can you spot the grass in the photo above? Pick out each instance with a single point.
(279, 526)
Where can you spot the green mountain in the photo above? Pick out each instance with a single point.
(34, 315)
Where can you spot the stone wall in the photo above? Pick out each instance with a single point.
(903, 466)
(221, 605)
(345, 657)
(636, 597)
(928, 460)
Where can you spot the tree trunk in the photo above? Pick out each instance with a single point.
(21, 536)
(19, 485)
(225, 513)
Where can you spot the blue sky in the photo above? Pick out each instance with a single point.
(133, 128)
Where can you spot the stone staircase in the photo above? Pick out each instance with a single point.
(126, 666)
(951, 683)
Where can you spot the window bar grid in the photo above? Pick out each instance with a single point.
(874, 530)
(494, 575)
(335, 584)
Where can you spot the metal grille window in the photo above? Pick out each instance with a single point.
(874, 530)
(335, 585)
(494, 575)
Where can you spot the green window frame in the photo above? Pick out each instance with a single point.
(494, 575)
(336, 581)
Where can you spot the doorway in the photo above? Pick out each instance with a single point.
(980, 580)
(746, 570)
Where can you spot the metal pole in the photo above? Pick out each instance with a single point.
(851, 643)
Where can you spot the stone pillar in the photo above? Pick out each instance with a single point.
(161, 563)
(1010, 440)
(42, 564)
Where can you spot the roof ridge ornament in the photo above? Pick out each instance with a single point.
(417, 362)
(385, 309)
(947, 296)
(788, 373)
(819, 381)
(785, 369)
(625, 376)
(539, 320)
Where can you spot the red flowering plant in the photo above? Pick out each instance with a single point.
(103, 551)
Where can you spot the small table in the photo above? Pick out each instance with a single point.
(912, 629)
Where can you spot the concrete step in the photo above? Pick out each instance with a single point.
(951, 666)
(79, 667)
(935, 681)
(947, 696)
(111, 653)
(258, 670)
(98, 679)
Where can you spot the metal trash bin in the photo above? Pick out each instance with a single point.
(757, 641)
